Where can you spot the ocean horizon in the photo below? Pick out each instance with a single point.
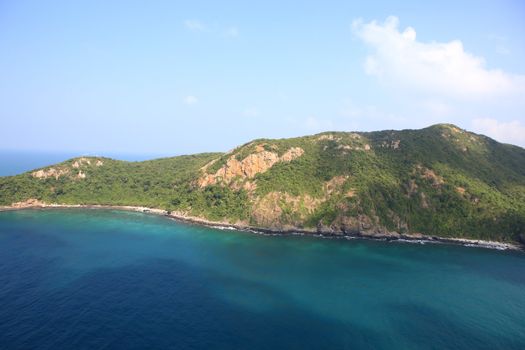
(262, 175)
(18, 162)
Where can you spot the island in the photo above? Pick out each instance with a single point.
(439, 183)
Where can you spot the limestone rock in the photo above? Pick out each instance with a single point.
(253, 164)
(50, 172)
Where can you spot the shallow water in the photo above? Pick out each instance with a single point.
(106, 279)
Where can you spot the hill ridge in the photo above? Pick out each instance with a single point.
(440, 180)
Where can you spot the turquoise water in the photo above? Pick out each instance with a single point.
(101, 279)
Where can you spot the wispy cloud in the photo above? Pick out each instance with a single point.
(194, 25)
(190, 100)
(398, 58)
(430, 82)
(511, 132)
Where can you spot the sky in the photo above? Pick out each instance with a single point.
(179, 77)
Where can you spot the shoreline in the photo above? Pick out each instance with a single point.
(178, 216)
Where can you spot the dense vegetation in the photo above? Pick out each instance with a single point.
(438, 181)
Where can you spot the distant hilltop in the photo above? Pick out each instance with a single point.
(438, 181)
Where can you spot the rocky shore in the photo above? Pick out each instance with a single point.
(323, 232)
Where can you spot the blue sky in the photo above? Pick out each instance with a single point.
(173, 77)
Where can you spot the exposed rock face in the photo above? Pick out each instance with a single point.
(291, 154)
(350, 193)
(249, 166)
(366, 226)
(351, 142)
(282, 210)
(253, 164)
(431, 176)
(81, 161)
(73, 171)
(394, 144)
(461, 139)
(249, 186)
(267, 211)
(50, 172)
(271, 209)
(468, 196)
(411, 187)
(31, 202)
(392, 181)
(329, 137)
(334, 184)
(356, 224)
(354, 148)
(424, 202)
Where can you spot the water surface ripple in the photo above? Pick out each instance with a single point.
(106, 279)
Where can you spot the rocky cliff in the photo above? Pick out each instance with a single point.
(440, 180)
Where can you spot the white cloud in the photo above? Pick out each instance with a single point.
(510, 132)
(190, 100)
(445, 69)
(194, 25)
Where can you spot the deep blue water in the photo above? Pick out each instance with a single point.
(17, 162)
(101, 279)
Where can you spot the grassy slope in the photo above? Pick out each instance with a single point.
(439, 181)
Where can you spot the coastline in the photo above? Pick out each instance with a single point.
(178, 216)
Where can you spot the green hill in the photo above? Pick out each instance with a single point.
(441, 181)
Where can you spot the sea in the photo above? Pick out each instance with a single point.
(111, 279)
(17, 162)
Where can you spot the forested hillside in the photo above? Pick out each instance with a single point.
(440, 180)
